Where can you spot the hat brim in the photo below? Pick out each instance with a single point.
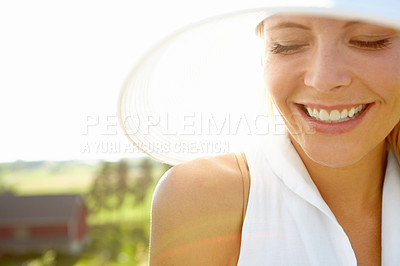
(200, 91)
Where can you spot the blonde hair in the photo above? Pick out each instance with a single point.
(260, 29)
(394, 141)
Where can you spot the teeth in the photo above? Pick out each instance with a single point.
(343, 114)
(315, 113)
(352, 112)
(323, 115)
(335, 116)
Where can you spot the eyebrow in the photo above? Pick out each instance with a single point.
(289, 25)
(301, 26)
(350, 23)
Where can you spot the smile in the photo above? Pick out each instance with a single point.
(334, 116)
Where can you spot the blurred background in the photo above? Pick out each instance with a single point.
(76, 212)
(73, 190)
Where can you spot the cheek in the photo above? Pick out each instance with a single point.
(385, 83)
(282, 80)
(275, 80)
(281, 85)
(389, 86)
(382, 75)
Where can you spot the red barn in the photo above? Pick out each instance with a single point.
(39, 223)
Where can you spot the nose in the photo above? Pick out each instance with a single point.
(327, 69)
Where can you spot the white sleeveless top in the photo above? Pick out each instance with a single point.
(288, 223)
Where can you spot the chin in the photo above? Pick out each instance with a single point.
(334, 155)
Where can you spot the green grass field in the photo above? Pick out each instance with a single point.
(118, 237)
(48, 178)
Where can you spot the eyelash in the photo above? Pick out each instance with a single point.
(379, 44)
(277, 48)
(283, 49)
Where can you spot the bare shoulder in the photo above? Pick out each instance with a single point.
(197, 213)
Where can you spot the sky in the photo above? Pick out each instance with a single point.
(62, 65)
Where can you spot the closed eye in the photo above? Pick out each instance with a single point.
(371, 45)
(277, 48)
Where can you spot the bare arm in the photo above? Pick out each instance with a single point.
(197, 214)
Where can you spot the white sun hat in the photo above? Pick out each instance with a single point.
(200, 91)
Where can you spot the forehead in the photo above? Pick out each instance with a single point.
(280, 18)
(310, 22)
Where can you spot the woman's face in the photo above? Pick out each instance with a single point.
(336, 84)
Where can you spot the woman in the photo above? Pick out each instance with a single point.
(325, 193)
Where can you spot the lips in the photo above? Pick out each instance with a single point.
(328, 119)
(334, 115)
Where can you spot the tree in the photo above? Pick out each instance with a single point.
(143, 181)
(109, 187)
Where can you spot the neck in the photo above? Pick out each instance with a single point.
(353, 188)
